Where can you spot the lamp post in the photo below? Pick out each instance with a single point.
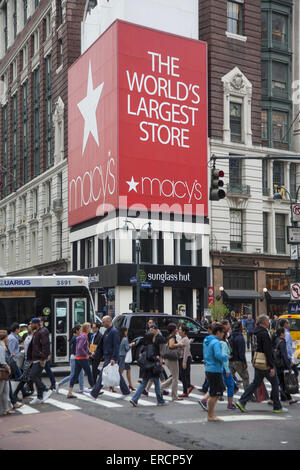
(278, 196)
(138, 257)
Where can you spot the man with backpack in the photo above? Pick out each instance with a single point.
(282, 363)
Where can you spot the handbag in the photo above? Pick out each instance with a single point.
(291, 382)
(128, 357)
(167, 353)
(4, 373)
(260, 361)
(261, 393)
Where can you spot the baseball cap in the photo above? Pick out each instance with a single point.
(155, 327)
(36, 320)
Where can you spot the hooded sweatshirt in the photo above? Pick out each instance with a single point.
(214, 359)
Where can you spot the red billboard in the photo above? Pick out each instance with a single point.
(138, 124)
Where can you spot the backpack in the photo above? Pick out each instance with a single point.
(146, 358)
(278, 360)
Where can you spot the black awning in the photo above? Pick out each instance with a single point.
(241, 294)
(279, 295)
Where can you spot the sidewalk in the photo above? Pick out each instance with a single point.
(72, 430)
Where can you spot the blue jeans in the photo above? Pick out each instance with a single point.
(79, 365)
(142, 387)
(72, 373)
(229, 382)
(98, 385)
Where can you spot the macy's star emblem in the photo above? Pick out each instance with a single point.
(88, 107)
(132, 185)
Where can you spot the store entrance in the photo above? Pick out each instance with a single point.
(151, 299)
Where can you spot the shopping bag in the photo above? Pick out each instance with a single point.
(261, 393)
(128, 357)
(291, 383)
(111, 376)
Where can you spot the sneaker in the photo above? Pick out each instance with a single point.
(183, 395)
(203, 403)
(35, 401)
(46, 395)
(240, 407)
(292, 402)
(162, 404)
(133, 403)
(231, 407)
(88, 390)
(88, 394)
(282, 410)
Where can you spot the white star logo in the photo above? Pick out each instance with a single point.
(132, 185)
(88, 108)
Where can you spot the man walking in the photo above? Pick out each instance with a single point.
(249, 327)
(214, 359)
(238, 361)
(38, 353)
(109, 349)
(95, 338)
(263, 344)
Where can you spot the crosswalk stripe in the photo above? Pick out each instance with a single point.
(107, 404)
(27, 410)
(128, 398)
(232, 418)
(62, 405)
(181, 402)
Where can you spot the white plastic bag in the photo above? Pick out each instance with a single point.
(111, 376)
(128, 357)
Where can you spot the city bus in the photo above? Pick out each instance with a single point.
(63, 301)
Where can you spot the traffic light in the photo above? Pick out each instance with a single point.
(216, 185)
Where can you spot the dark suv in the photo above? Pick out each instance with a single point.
(137, 327)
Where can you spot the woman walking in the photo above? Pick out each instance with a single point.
(82, 358)
(185, 362)
(227, 375)
(282, 363)
(149, 371)
(74, 334)
(124, 348)
(172, 364)
(4, 386)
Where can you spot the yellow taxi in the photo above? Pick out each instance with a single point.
(294, 321)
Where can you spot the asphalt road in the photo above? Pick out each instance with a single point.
(180, 425)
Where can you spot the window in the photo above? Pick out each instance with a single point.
(279, 80)
(264, 124)
(59, 13)
(48, 25)
(48, 196)
(238, 279)
(146, 250)
(278, 175)
(293, 185)
(236, 229)
(185, 251)
(280, 233)
(265, 232)
(15, 19)
(235, 18)
(25, 56)
(264, 26)
(36, 121)
(14, 69)
(265, 179)
(90, 253)
(277, 281)
(5, 27)
(36, 4)
(35, 202)
(5, 152)
(49, 152)
(235, 173)
(60, 52)
(25, 11)
(279, 126)
(279, 30)
(25, 130)
(264, 77)
(36, 42)
(15, 142)
(236, 122)
(110, 250)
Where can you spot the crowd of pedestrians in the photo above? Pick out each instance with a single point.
(25, 353)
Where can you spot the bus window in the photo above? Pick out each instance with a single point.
(79, 309)
(61, 316)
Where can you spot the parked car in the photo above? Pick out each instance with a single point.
(137, 327)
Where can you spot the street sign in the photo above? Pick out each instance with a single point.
(293, 235)
(294, 308)
(146, 284)
(296, 212)
(294, 252)
(210, 295)
(295, 291)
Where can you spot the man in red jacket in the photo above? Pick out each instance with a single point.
(38, 352)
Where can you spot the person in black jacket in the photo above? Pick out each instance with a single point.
(263, 344)
(150, 355)
(237, 360)
(95, 338)
(282, 363)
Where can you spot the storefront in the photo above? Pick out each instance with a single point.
(177, 290)
(278, 293)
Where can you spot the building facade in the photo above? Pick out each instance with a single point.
(39, 40)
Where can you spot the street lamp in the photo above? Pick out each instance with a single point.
(279, 195)
(137, 257)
